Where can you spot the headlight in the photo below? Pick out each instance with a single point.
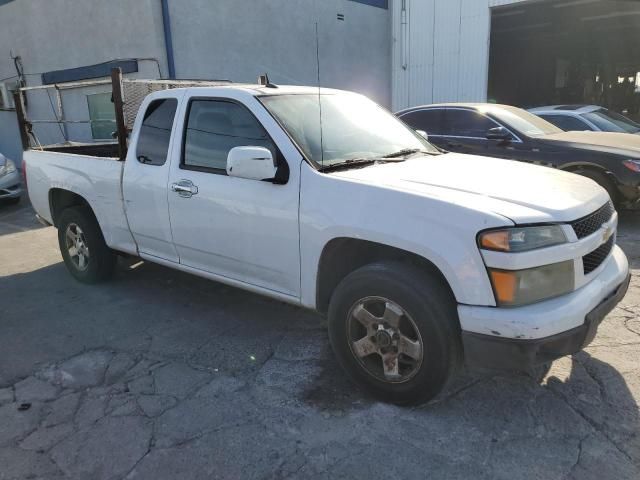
(633, 165)
(7, 168)
(10, 166)
(522, 239)
(521, 287)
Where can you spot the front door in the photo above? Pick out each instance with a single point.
(245, 230)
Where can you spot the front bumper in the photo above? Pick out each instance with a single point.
(11, 185)
(517, 338)
(488, 351)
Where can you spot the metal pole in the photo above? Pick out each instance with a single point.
(118, 105)
(65, 132)
(22, 120)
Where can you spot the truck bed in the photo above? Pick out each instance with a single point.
(98, 179)
(105, 150)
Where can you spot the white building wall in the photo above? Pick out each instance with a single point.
(440, 50)
(241, 39)
(227, 39)
(59, 34)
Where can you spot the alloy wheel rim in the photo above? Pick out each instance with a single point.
(384, 339)
(77, 246)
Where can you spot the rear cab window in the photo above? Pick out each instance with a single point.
(155, 133)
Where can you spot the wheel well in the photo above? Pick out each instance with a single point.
(60, 199)
(593, 168)
(606, 175)
(341, 256)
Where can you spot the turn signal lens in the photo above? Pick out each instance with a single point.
(522, 239)
(504, 284)
(495, 240)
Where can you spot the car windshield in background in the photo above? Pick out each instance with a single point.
(609, 121)
(524, 122)
(353, 128)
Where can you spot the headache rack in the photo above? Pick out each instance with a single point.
(127, 94)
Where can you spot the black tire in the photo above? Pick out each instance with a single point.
(424, 299)
(539, 372)
(603, 180)
(100, 259)
(11, 201)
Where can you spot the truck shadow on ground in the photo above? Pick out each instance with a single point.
(224, 366)
(17, 218)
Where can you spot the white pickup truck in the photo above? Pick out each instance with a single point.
(421, 259)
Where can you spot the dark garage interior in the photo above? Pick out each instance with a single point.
(567, 52)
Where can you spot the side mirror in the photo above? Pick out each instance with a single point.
(423, 134)
(252, 163)
(499, 133)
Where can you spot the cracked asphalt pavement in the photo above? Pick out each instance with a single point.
(161, 375)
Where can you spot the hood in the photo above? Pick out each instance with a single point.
(609, 142)
(521, 192)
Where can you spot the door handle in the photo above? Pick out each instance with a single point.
(184, 188)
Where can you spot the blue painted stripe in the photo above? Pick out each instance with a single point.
(374, 3)
(89, 71)
(168, 39)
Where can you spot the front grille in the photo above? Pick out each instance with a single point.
(593, 260)
(591, 223)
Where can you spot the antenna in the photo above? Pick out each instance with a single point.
(319, 99)
(264, 81)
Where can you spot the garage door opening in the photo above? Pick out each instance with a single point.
(567, 52)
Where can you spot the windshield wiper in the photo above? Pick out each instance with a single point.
(405, 152)
(355, 162)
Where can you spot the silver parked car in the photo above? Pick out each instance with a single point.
(10, 182)
(592, 118)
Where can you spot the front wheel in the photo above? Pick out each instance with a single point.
(84, 251)
(394, 329)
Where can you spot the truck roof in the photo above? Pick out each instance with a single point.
(260, 90)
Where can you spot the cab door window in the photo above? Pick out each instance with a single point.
(213, 128)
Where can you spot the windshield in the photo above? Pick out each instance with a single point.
(524, 122)
(353, 127)
(609, 121)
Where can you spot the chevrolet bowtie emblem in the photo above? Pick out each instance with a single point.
(608, 231)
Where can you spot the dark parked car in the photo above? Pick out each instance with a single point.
(610, 159)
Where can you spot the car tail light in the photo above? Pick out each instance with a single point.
(633, 165)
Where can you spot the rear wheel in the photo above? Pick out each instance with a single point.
(394, 329)
(603, 180)
(84, 251)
